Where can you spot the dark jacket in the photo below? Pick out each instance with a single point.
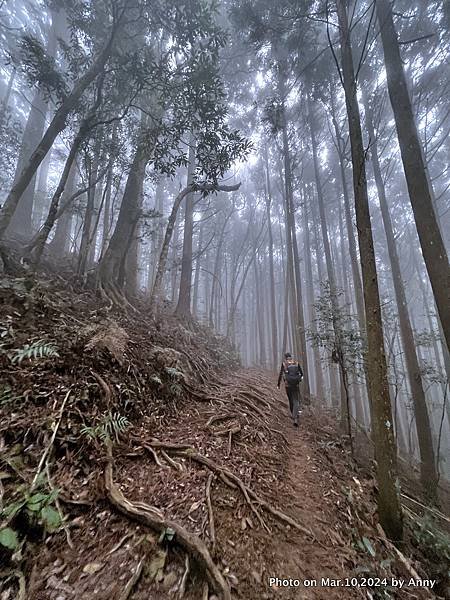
(284, 368)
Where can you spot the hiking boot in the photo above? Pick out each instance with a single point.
(295, 423)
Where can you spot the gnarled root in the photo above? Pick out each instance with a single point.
(229, 477)
(153, 518)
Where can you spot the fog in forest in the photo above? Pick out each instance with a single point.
(277, 171)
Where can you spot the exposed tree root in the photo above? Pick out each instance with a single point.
(155, 457)
(172, 463)
(111, 293)
(153, 518)
(217, 418)
(228, 476)
(105, 387)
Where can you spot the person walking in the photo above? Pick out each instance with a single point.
(292, 374)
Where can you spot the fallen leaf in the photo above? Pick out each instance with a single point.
(195, 505)
(92, 568)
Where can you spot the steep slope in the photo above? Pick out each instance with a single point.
(175, 472)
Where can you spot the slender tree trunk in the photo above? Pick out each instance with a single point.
(38, 244)
(273, 313)
(349, 224)
(389, 507)
(312, 310)
(215, 279)
(86, 235)
(427, 465)
(292, 251)
(156, 291)
(260, 313)
(107, 209)
(183, 309)
(344, 417)
(417, 178)
(60, 241)
(40, 203)
(198, 262)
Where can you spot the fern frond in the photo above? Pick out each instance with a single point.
(174, 374)
(7, 396)
(112, 425)
(39, 349)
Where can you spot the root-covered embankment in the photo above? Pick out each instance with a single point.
(139, 461)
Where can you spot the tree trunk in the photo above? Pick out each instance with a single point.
(57, 124)
(40, 204)
(389, 507)
(349, 225)
(110, 264)
(86, 235)
(198, 259)
(260, 313)
(344, 417)
(38, 244)
(417, 178)
(312, 310)
(183, 309)
(21, 221)
(427, 465)
(156, 291)
(273, 313)
(107, 209)
(59, 244)
(5, 101)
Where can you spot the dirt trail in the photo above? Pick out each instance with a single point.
(310, 497)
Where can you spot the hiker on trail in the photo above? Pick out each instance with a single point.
(292, 374)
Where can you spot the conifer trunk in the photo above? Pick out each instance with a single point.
(427, 461)
(417, 178)
(389, 507)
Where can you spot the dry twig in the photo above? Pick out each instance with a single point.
(183, 583)
(212, 530)
(52, 441)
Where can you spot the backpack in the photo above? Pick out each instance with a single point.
(292, 375)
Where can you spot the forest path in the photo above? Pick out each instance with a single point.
(312, 499)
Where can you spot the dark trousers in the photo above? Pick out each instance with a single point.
(293, 395)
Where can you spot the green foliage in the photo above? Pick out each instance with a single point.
(8, 538)
(38, 507)
(40, 68)
(168, 534)
(328, 322)
(39, 349)
(111, 425)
